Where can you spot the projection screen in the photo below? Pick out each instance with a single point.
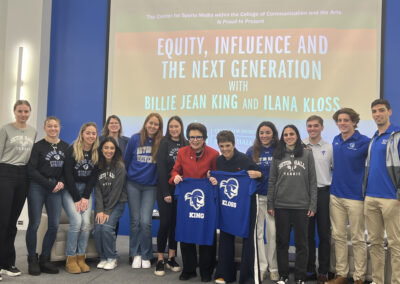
(232, 64)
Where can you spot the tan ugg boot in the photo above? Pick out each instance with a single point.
(71, 266)
(80, 259)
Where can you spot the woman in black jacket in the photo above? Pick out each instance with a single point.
(166, 156)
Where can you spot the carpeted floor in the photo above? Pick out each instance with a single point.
(122, 274)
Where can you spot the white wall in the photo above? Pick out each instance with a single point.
(25, 23)
(3, 21)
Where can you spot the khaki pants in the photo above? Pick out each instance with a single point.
(267, 259)
(344, 211)
(383, 214)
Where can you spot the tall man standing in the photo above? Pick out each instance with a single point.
(382, 190)
(323, 157)
(346, 201)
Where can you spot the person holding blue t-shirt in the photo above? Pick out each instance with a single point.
(350, 149)
(141, 187)
(232, 160)
(381, 191)
(261, 152)
(195, 161)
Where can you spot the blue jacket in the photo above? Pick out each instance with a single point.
(392, 159)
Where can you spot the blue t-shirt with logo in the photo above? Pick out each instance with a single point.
(379, 183)
(234, 197)
(349, 165)
(196, 211)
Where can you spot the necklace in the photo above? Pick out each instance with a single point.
(54, 146)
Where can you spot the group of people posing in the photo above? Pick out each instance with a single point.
(299, 184)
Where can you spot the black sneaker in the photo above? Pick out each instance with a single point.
(282, 280)
(311, 276)
(160, 270)
(11, 271)
(173, 265)
(186, 276)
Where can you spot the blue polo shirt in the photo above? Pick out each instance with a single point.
(379, 182)
(349, 165)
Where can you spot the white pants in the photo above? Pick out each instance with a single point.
(267, 259)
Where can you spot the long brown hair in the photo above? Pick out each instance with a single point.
(117, 160)
(157, 137)
(257, 146)
(182, 139)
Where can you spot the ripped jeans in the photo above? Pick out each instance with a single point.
(79, 223)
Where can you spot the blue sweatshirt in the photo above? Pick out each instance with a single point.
(349, 165)
(264, 164)
(379, 182)
(140, 166)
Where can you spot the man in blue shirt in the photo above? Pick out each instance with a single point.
(346, 201)
(382, 193)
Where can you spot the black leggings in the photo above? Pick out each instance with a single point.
(166, 232)
(14, 186)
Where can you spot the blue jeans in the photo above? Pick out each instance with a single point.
(141, 199)
(79, 223)
(105, 235)
(37, 197)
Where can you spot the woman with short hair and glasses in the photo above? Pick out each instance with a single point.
(195, 161)
(292, 199)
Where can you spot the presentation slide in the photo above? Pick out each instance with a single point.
(232, 64)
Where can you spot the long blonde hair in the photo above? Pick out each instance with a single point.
(157, 136)
(78, 144)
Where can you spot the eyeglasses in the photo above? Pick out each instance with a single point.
(195, 138)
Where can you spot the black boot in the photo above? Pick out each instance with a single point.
(33, 265)
(46, 266)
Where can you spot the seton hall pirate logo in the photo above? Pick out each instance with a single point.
(231, 187)
(196, 198)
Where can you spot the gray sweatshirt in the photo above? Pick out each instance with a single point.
(110, 189)
(292, 182)
(16, 144)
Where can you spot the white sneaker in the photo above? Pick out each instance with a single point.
(274, 275)
(101, 264)
(137, 262)
(11, 271)
(146, 263)
(111, 264)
